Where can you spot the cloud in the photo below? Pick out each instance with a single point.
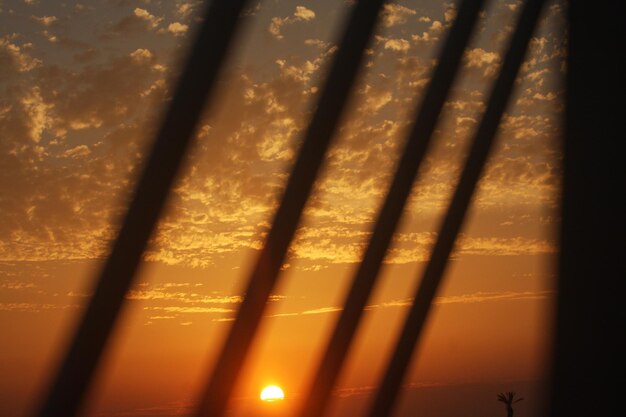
(480, 297)
(347, 245)
(304, 13)
(305, 71)
(513, 6)
(449, 14)
(34, 307)
(318, 43)
(45, 20)
(300, 73)
(141, 20)
(496, 246)
(16, 285)
(321, 310)
(140, 55)
(184, 9)
(481, 59)
(77, 151)
(394, 44)
(223, 204)
(146, 16)
(301, 14)
(191, 310)
(395, 14)
(14, 57)
(76, 135)
(275, 145)
(177, 300)
(431, 35)
(374, 99)
(177, 29)
(549, 96)
(473, 298)
(355, 391)
(470, 298)
(38, 112)
(368, 389)
(539, 44)
(191, 296)
(56, 177)
(538, 76)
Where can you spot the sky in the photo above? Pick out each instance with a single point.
(83, 85)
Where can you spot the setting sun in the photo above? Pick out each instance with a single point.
(272, 393)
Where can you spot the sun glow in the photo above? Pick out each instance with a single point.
(272, 393)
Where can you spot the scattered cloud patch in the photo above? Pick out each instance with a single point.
(45, 20)
(317, 42)
(38, 111)
(431, 35)
(12, 55)
(140, 55)
(479, 58)
(146, 16)
(301, 14)
(304, 13)
(76, 152)
(494, 246)
(396, 14)
(184, 9)
(177, 28)
(397, 44)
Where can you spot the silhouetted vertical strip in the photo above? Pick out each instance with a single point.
(162, 166)
(389, 215)
(591, 312)
(311, 155)
(457, 209)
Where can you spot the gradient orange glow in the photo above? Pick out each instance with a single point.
(82, 89)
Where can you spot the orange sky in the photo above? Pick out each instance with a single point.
(82, 86)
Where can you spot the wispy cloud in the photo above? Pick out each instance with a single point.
(321, 310)
(35, 307)
(369, 389)
(183, 297)
(45, 20)
(190, 310)
(472, 298)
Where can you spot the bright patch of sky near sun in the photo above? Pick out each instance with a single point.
(82, 86)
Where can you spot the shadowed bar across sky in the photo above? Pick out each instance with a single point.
(311, 156)
(455, 215)
(163, 165)
(389, 215)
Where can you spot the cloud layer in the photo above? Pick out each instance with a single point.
(76, 124)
